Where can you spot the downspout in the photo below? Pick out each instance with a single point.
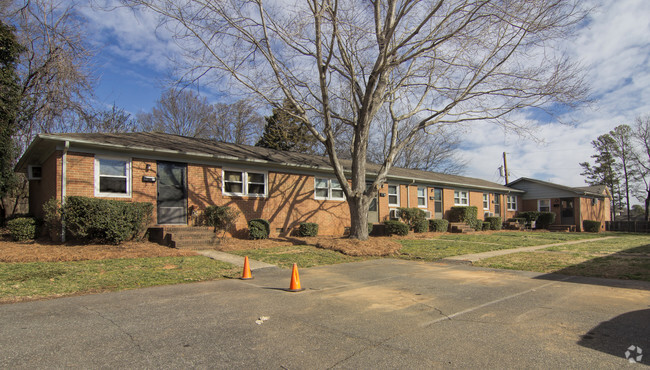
(63, 186)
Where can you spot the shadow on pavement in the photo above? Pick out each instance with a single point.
(616, 336)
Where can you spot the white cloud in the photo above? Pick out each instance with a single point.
(615, 49)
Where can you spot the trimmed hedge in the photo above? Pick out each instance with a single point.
(221, 218)
(438, 225)
(530, 216)
(486, 226)
(259, 228)
(468, 215)
(413, 217)
(396, 228)
(104, 220)
(421, 226)
(308, 229)
(23, 228)
(495, 222)
(544, 220)
(591, 226)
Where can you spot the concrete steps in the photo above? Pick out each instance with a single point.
(460, 228)
(184, 237)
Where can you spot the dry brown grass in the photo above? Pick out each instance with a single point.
(43, 251)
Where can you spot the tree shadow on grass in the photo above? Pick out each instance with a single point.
(617, 335)
(629, 268)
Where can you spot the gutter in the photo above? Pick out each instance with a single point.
(64, 167)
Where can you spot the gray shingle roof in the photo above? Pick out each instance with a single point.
(208, 148)
(597, 190)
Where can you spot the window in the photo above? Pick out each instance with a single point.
(544, 205)
(422, 197)
(112, 177)
(393, 195)
(486, 201)
(461, 198)
(328, 189)
(239, 183)
(511, 202)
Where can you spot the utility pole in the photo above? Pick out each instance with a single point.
(505, 167)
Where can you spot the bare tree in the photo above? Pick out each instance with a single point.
(113, 119)
(642, 160)
(428, 151)
(417, 64)
(180, 112)
(237, 123)
(624, 152)
(55, 74)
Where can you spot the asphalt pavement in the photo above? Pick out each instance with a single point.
(375, 314)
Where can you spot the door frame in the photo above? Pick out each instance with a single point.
(183, 209)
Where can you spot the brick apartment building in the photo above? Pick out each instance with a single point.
(181, 176)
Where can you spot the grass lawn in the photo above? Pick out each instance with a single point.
(31, 280)
(447, 245)
(626, 257)
(303, 255)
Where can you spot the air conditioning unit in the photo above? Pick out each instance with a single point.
(34, 172)
(488, 214)
(394, 214)
(427, 214)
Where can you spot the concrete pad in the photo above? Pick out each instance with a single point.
(374, 314)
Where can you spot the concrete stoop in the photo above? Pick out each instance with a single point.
(461, 228)
(184, 237)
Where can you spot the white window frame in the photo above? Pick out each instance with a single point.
(329, 189)
(396, 194)
(458, 195)
(417, 196)
(510, 200)
(245, 183)
(129, 178)
(486, 201)
(539, 205)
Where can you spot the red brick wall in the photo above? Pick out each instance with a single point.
(40, 191)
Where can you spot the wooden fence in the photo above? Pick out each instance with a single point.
(628, 226)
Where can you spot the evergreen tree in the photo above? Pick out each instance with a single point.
(605, 171)
(284, 132)
(10, 50)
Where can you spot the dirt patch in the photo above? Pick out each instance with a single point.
(41, 251)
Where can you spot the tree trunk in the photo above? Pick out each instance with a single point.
(647, 205)
(358, 217)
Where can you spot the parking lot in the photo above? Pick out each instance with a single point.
(373, 314)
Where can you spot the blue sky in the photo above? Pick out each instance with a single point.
(134, 64)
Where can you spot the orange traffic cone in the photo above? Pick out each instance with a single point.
(295, 280)
(246, 275)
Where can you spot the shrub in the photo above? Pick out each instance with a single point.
(52, 218)
(396, 228)
(412, 217)
(105, 220)
(371, 226)
(308, 229)
(467, 215)
(591, 226)
(495, 222)
(421, 226)
(485, 226)
(519, 220)
(438, 225)
(222, 218)
(22, 228)
(259, 228)
(544, 220)
(530, 216)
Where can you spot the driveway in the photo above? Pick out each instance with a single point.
(374, 314)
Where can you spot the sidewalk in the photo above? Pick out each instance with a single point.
(469, 258)
(234, 259)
